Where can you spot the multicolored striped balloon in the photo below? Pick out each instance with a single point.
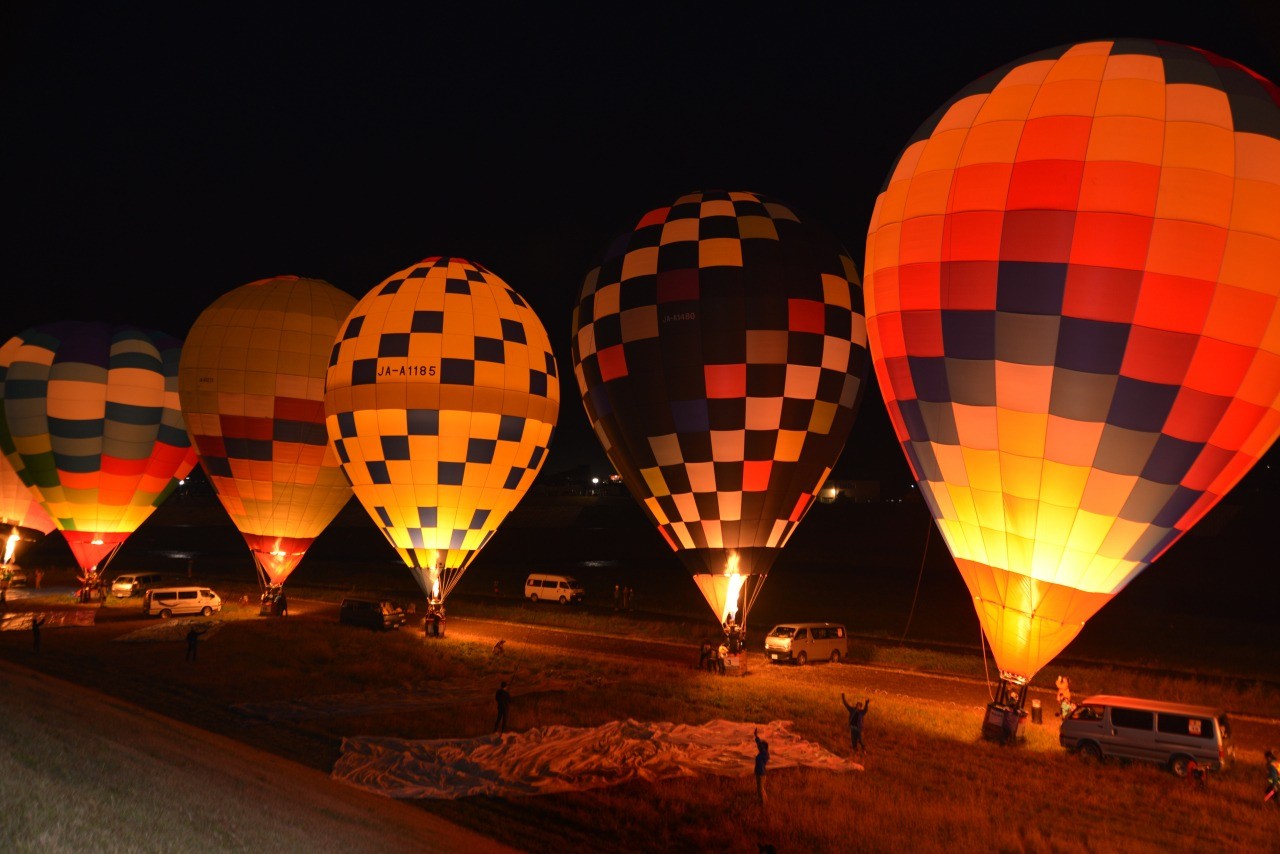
(90, 421)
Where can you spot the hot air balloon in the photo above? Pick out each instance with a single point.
(720, 349)
(90, 421)
(441, 399)
(1072, 309)
(251, 382)
(18, 509)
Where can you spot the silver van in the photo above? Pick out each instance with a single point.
(126, 586)
(804, 642)
(1170, 734)
(168, 601)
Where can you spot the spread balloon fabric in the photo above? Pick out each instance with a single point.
(91, 421)
(1072, 310)
(252, 387)
(720, 350)
(441, 399)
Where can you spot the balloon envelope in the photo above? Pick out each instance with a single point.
(251, 382)
(18, 506)
(720, 349)
(1072, 309)
(91, 421)
(441, 399)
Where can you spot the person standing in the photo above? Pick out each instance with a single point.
(35, 632)
(1272, 793)
(1065, 705)
(722, 653)
(704, 655)
(503, 699)
(857, 714)
(762, 760)
(193, 638)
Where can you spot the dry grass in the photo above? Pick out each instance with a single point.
(929, 784)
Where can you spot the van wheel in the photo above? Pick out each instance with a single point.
(165, 613)
(1089, 752)
(564, 601)
(802, 659)
(206, 611)
(1179, 765)
(835, 656)
(533, 597)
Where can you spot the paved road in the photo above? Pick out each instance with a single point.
(250, 800)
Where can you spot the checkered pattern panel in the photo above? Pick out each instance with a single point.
(251, 382)
(720, 349)
(1072, 307)
(90, 421)
(441, 399)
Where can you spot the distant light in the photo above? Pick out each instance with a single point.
(182, 482)
(595, 480)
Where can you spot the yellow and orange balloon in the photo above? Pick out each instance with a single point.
(1072, 285)
(251, 383)
(441, 399)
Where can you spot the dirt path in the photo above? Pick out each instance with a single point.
(246, 799)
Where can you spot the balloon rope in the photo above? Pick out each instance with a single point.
(982, 643)
(928, 532)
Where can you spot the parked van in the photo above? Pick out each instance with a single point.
(553, 588)
(805, 642)
(1171, 734)
(169, 601)
(371, 613)
(126, 586)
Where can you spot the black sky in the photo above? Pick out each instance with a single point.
(154, 156)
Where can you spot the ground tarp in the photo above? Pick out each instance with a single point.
(444, 692)
(554, 759)
(21, 621)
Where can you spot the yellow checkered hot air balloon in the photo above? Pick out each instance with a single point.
(441, 398)
(251, 383)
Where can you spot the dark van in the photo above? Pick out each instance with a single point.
(371, 613)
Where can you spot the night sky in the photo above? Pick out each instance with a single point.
(155, 156)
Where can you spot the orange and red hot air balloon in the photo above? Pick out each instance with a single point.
(1071, 280)
(251, 382)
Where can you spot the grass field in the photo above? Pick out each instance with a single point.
(929, 783)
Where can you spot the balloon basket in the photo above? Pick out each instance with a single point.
(1005, 716)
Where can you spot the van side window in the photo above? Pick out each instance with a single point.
(802, 634)
(1184, 725)
(1132, 718)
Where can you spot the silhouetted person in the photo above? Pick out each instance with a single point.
(282, 605)
(762, 759)
(35, 632)
(503, 699)
(857, 713)
(193, 638)
(1272, 793)
(704, 655)
(500, 647)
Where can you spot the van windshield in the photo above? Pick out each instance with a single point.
(783, 632)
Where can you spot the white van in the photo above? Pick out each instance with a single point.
(131, 585)
(1171, 734)
(804, 642)
(553, 588)
(168, 601)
